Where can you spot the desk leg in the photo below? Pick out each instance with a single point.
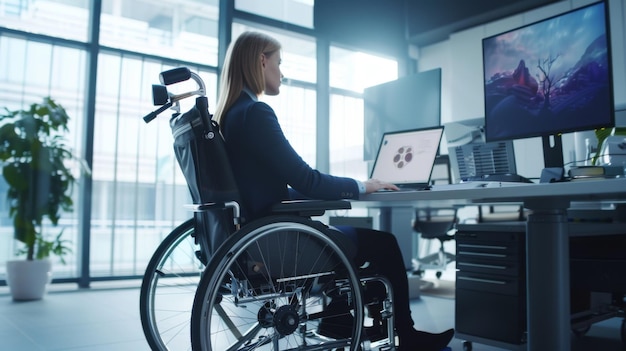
(547, 279)
(398, 221)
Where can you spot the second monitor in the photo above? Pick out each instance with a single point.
(471, 158)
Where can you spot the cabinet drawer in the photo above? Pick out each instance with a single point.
(512, 268)
(496, 284)
(491, 251)
(496, 242)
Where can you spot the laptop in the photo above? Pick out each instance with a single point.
(406, 158)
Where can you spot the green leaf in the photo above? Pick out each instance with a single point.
(601, 134)
(14, 176)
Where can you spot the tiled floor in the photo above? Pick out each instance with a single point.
(106, 317)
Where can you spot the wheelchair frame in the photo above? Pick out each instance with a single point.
(245, 296)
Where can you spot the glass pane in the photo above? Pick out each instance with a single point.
(139, 192)
(29, 72)
(346, 137)
(354, 70)
(12, 51)
(185, 30)
(298, 12)
(67, 19)
(298, 54)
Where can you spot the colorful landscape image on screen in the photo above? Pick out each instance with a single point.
(549, 77)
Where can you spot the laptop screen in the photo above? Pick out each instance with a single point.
(406, 158)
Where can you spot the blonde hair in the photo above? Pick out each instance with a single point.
(242, 68)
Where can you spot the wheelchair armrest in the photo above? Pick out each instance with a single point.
(309, 208)
(205, 207)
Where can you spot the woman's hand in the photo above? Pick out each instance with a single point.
(372, 185)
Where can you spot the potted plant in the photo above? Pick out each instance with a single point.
(604, 135)
(35, 165)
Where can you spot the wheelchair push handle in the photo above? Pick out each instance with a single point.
(152, 115)
(161, 97)
(175, 75)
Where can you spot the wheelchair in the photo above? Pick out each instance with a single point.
(282, 282)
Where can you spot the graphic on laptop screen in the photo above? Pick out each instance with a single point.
(407, 157)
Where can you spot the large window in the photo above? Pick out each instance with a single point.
(350, 73)
(355, 70)
(185, 29)
(67, 19)
(298, 12)
(137, 191)
(346, 137)
(32, 70)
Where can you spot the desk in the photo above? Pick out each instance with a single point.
(547, 241)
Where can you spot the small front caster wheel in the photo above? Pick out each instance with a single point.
(467, 346)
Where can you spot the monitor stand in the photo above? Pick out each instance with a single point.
(554, 170)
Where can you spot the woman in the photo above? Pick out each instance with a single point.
(265, 166)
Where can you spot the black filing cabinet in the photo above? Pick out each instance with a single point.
(491, 282)
(491, 279)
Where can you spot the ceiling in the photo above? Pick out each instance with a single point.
(430, 21)
(387, 25)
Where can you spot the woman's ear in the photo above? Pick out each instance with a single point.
(263, 58)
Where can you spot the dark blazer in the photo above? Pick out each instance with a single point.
(264, 163)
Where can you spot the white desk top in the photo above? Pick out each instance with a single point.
(532, 195)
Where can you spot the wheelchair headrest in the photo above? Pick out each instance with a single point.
(201, 154)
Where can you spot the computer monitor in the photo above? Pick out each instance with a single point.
(410, 102)
(550, 77)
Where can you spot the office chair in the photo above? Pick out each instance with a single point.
(435, 224)
(501, 213)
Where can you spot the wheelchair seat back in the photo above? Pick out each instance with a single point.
(201, 155)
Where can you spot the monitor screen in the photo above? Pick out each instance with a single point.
(549, 77)
(410, 102)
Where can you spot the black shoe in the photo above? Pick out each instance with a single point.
(339, 327)
(338, 323)
(375, 332)
(423, 341)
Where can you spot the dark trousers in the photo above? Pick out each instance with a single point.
(381, 251)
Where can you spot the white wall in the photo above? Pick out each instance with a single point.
(460, 58)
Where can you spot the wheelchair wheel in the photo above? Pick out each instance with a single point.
(280, 283)
(168, 288)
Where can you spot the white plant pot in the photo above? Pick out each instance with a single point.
(28, 280)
